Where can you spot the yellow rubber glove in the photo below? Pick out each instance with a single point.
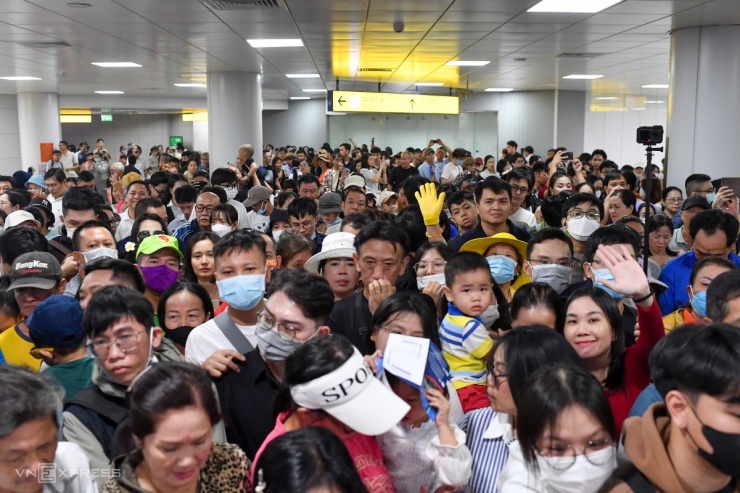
(430, 203)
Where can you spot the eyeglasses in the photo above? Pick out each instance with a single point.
(266, 321)
(562, 457)
(201, 208)
(125, 343)
(576, 214)
(146, 234)
(437, 264)
(515, 189)
(496, 378)
(674, 200)
(711, 190)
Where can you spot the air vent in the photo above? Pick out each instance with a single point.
(42, 44)
(242, 4)
(579, 55)
(374, 69)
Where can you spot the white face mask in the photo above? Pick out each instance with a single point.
(231, 192)
(221, 229)
(580, 229)
(489, 315)
(100, 252)
(71, 232)
(276, 234)
(557, 276)
(421, 282)
(582, 476)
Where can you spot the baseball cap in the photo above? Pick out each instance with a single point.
(696, 200)
(35, 270)
(18, 217)
(382, 197)
(357, 404)
(357, 181)
(44, 204)
(155, 243)
(336, 245)
(330, 202)
(56, 322)
(256, 194)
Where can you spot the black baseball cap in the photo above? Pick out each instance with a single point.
(35, 270)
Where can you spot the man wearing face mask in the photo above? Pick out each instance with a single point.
(582, 214)
(79, 205)
(549, 258)
(226, 179)
(241, 275)
(692, 441)
(296, 308)
(158, 258)
(259, 217)
(454, 167)
(91, 241)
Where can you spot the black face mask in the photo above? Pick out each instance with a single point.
(179, 335)
(726, 449)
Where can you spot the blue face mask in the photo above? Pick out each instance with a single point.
(710, 197)
(459, 162)
(242, 292)
(600, 274)
(502, 268)
(336, 221)
(699, 302)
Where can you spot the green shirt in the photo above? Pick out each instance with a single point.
(73, 375)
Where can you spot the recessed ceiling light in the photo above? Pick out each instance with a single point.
(608, 98)
(468, 63)
(116, 64)
(656, 86)
(302, 76)
(314, 90)
(654, 102)
(576, 6)
(582, 76)
(193, 84)
(21, 77)
(297, 98)
(520, 59)
(429, 84)
(499, 89)
(108, 92)
(78, 5)
(638, 109)
(274, 43)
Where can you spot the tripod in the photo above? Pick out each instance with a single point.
(648, 195)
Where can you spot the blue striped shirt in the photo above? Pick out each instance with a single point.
(488, 438)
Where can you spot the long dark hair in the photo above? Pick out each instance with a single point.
(615, 372)
(188, 274)
(305, 460)
(406, 302)
(656, 222)
(547, 393)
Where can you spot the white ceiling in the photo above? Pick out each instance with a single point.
(179, 41)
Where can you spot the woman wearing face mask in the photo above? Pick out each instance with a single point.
(198, 265)
(336, 264)
(182, 307)
(566, 433)
(224, 219)
(593, 327)
(505, 255)
(537, 304)
(702, 275)
(173, 410)
(366, 409)
(497, 458)
(430, 272)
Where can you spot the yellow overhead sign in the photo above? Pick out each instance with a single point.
(383, 102)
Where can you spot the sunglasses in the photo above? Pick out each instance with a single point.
(146, 234)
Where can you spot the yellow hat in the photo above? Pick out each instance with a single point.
(480, 245)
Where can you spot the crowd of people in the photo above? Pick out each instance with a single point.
(357, 320)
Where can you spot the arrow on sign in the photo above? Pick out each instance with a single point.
(412, 104)
(341, 101)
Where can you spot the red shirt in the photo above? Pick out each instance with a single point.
(636, 368)
(365, 453)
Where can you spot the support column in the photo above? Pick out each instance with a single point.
(703, 103)
(38, 121)
(234, 115)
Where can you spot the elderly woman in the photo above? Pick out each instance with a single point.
(335, 263)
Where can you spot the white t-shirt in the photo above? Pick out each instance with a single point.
(125, 226)
(56, 209)
(69, 160)
(450, 171)
(207, 338)
(525, 217)
(257, 222)
(71, 471)
(368, 173)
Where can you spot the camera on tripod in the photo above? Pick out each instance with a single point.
(650, 135)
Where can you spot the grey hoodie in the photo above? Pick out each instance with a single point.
(74, 431)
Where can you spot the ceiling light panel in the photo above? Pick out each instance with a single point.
(656, 86)
(108, 92)
(275, 43)
(583, 76)
(116, 64)
(302, 76)
(20, 77)
(499, 89)
(194, 84)
(573, 6)
(468, 63)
